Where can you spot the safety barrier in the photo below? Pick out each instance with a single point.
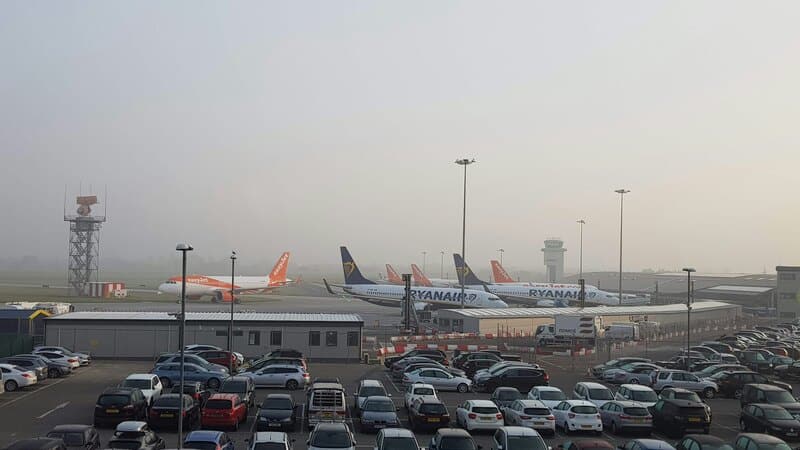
(396, 349)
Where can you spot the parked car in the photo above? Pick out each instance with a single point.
(720, 367)
(551, 396)
(148, 383)
(270, 440)
(436, 355)
(478, 414)
(325, 402)
(396, 439)
(194, 389)
(378, 412)
(166, 409)
(208, 440)
(702, 442)
(277, 411)
(223, 410)
(135, 435)
(754, 359)
(484, 374)
(55, 369)
(578, 415)
(586, 444)
(37, 366)
(720, 347)
(522, 378)
(189, 358)
(470, 367)
(531, 414)
(398, 368)
(788, 372)
(425, 364)
(504, 396)
(727, 358)
(757, 441)
(634, 373)
(170, 374)
(683, 394)
(40, 443)
(462, 359)
(731, 384)
(439, 379)
(592, 392)
(517, 438)
(675, 417)
(220, 357)
(598, 370)
(682, 379)
(287, 376)
(416, 391)
(767, 393)
(285, 353)
(367, 388)
(452, 439)
(15, 377)
(331, 435)
(426, 413)
(637, 393)
(119, 404)
(625, 415)
(646, 444)
(770, 419)
(71, 360)
(84, 437)
(84, 357)
(262, 363)
(242, 386)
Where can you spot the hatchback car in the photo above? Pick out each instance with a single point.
(368, 388)
(331, 435)
(208, 440)
(757, 441)
(452, 439)
(170, 374)
(396, 439)
(766, 393)
(637, 393)
(479, 414)
(83, 437)
(223, 410)
(770, 419)
(166, 409)
(378, 412)
(15, 377)
(518, 438)
(439, 379)
(504, 396)
(702, 442)
(427, 413)
(115, 405)
(549, 395)
(418, 390)
(674, 417)
(286, 376)
(578, 415)
(595, 393)
(148, 383)
(277, 411)
(624, 415)
(242, 386)
(270, 440)
(532, 414)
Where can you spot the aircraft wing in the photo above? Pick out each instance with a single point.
(527, 301)
(345, 293)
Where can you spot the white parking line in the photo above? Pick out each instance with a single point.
(47, 413)
(39, 390)
(391, 382)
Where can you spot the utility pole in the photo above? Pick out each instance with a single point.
(464, 162)
(621, 193)
(183, 248)
(233, 300)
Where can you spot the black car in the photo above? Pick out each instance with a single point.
(759, 441)
(55, 369)
(470, 367)
(136, 436)
(38, 444)
(754, 359)
(285, 353)
(428, 413)
(245, 387)
(278, 411)
(166, 409)
(674, 417)
(683, 394)
(598, 370)
(520, 377)
(436, 355)
(767, 393)
(36, 366)
(505, 396)
(770, 419)
(701, 442)
(119, 404)
(731, 384)
(83, 437)
(464, 358)
(452, 439)
(195, 390)
(788, 372)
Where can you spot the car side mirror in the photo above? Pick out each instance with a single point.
(292, 440)
(388, 395)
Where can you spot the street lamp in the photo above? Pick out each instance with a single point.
(233, 300)
(423, 261)
(580, 260)
(621, 193)
(464, 162)
(183, 248)
(501, 255)
(441, 266)
(688, 271)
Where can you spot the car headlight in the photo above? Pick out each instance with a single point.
(775, 428)
(262, 419)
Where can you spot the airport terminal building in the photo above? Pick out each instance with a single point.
(145, 335)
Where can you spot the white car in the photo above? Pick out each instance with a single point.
(578, 415)
(84, 358)
(637, 393)
(479, 414)
(15, 377)
(275, 440)
(419, 390)
(592, 392)
(149, 384)
(549, 395)
(532, 414)
(73, 361)
(396, 438)
(517, 438)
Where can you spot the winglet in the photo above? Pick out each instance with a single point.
(419, 277)
(328, 287)
(392, 276)
(465, 274)
(351, 273)
(500, 274)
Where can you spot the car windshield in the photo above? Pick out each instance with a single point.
(644, 396)
(584, 409)
(484, 409)
(422, 391)
(691, 396)
(635, 411)
(779, 397)
(552, 395)
(330, 439)
(774, 446)
(778, 414)
(218, 404)
(379, 405)
(457, 443)
(277, 403)
(70, 439)
(131, 445)
(108, 400)
(139, 384)
(269, 446)
(613, 362)
(600, 394)
(367, 391)
(432, 408)
(509, 395)
(200, 445)
(234, 387)
(526, 443)
(399, 443)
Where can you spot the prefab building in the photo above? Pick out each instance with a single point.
(145, 335)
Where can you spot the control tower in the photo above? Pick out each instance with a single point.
(84, 245)
(554, 259)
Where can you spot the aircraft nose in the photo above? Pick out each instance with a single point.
(501, 304)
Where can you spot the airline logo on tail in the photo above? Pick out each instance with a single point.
(278, 274)
(465, 274)
(349, 267)
(500, 274)
(392, 276)
(351, 273)
(419, 278)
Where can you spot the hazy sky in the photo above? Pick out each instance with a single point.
(271, 126)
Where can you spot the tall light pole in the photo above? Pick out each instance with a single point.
(183, 248)
(441, 266)
(233, 300)
(464, 162)
(501, 255)
(424, 255)
(621, 193)
(580, 258)
(688, 271)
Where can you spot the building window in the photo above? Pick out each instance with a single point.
(444, 322)
(238, 333)
(313, 338)
(254, 338)
(222, 333)
(352, 338)
(331, 339)
(787, 276)
(275, 338)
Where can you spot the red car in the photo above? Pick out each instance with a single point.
(222, 357)
(224, 410)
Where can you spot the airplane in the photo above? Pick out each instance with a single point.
(219, 286)
(420, 279)
(502, 277)
(392, 276)
(535, 294)
(356, 285)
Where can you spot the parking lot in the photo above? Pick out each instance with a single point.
(33, 412)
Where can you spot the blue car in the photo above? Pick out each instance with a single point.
(208, 440)
(170, 375)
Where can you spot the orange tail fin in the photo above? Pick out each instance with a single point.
(278, 274)
(500, 274)
(392, 275)
(419, 278)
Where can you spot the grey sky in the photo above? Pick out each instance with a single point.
(267, 126)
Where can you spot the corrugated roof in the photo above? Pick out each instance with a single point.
(210, 316)
(599, 310)
(742, 289)
(22, 313)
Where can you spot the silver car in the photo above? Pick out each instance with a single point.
(439, 379)
(619, 416)
(683, 379)
(637, 374)
(280, 375)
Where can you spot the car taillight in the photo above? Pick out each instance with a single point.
(546, 377)
(27, 375)
(551, 417)
(472, 416)
(499, 416)
(72, 360)
(571, 415)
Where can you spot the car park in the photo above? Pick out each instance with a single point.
(478, 414)
(277, 411)
(84, 437)
(504, 396)
(331, 435)
(15, 377)
(517, 438)
(770, 419)
(242, 386)
(452, 439)
(439, 379)
(270, 440)
(119, 404)
(592, 392)
(623, 415)
(135, 435)
(223, 410)
(774, 395)
(170, 374)
(530, 413)
(367, 388)
(208, 440)
(148, 383)
(166, 409)
(426, 413)
(683, 379)
(701, 442)
(578, 415)
(646, 444)
(396, 439)
(758, 441)
(675, 417)
(637, 393)
(286, 376)
(416, 391)
(194, 389)
(551, 396)
(378, 412)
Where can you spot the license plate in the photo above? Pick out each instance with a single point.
(791, 434)
(168, 415)
(274, 424)
(327, 415)
(112, 411)
(638, 420)
(487, 419)
(433, 419)
(540, 423)
(694, 419)
(586, 426)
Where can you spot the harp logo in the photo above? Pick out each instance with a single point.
(349, 267)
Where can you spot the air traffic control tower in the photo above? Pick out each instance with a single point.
(554, 259)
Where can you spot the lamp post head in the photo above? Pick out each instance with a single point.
(688, 269)
(184, 248)
(233, 255)
(622, 191)
(582, 222)
(500, 250)
(465, 161)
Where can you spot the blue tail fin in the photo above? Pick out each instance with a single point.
(351, 273)
(465, 274)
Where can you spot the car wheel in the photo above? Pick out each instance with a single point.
(166, 382)
(462, 388)
(737, 393)
(614, 429)
(709, 392)
(53, 373)
(634, 381)
(11, 386)
(236, 425)
(213, 383)
(742, 425)
(291, 385)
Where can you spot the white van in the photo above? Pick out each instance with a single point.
(623, 332)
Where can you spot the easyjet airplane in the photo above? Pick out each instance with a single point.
(392, 276)
(219, 286)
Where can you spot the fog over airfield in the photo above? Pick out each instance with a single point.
(267, 126)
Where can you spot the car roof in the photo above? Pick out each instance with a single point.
(131, 426)
(270, 436)
(520, 431)
(371, 383)
(204, 435)
(654, 444)
(761, 438)
(429, 399)
(333, 426)
(39, 442)
(71, 427)
(506, 388)
(532, 403)
(592, 443)
(591, 385)
(574, 402)
(482, 403)
(425, 385)
(397, 432)
(382, 398)
(218, 396)
(547, 388)
(453, 432)
(327, 386)
(637, 387)
(628, 403)
(279, 396)
(140, 376)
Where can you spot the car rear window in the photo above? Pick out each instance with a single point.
(330, 439)
(270, 446)
(234, 387)
(432, 408)
(691, 396)
(484, 409)
(218, 404)
(584, 409)
(457, 443)
(70, 439)
(200, 445)
(168, 402)
(693, 410)
(367, 391)
(779, 397)
(600, 394)
(277, 403)
(400, 444)
(644, 396)
(537, 411)
(423, 391)
(108, 400)
(635, 411)
(139, 384)
(509, 395)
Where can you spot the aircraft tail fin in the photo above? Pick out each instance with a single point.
(351, 273)
(419, 277)
(500, 274)
(278, 274)
(392, 275)
(465, 274)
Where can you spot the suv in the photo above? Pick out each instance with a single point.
(754, 359)
(428, 413)
(244, 387)
(674, 417)
(277, 411)
(368, 388)
(135, 435)
(520, 377)
(664, 379)
(773, 395)
(731, 384)
(325, 402)
(281, 375)
(193, 389)
(119, 404)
